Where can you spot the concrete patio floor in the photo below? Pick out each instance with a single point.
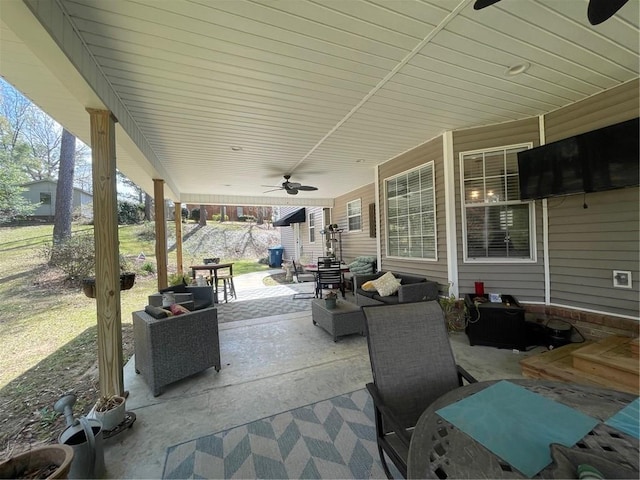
(269, 365)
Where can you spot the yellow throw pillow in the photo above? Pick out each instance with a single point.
(387, 284)
(368, 286)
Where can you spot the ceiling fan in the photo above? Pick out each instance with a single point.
(292, 188)
(597, 12)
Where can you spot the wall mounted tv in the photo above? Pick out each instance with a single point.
(603, 159)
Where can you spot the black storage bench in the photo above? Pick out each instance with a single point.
(494, 324)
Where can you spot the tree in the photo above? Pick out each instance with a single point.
(203, 216)
(64, 189)
(12, 202)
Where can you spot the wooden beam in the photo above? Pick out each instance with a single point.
(161, 232)
(105, 217)
(178, 220)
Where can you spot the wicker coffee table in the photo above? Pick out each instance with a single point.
(346, 319)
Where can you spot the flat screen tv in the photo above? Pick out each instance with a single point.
(603, 159)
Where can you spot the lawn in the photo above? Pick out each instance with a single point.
(48, 329)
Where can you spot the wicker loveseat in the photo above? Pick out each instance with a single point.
(413, 288)
(172, 348)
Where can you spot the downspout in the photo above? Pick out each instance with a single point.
(545, 227)
(450, 213)
(376, 189)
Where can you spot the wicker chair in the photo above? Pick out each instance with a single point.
(412, 365)
(170, 349)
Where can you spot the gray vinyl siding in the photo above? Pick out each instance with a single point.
(523, 280)
(433, 270)
(359, 243)
(586, 245)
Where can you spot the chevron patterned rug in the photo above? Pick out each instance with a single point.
(331, 439)
(264, 302)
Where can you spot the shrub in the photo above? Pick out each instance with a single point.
(75, 256)
(216, 217)
(130, 213)
(148, 267)
(185, 213)
(246, 218)
(195, 214)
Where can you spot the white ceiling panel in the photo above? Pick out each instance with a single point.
(320, 89)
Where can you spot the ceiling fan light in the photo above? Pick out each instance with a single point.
(517, 69)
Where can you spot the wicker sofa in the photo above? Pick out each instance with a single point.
(172, 348)
(413, 288)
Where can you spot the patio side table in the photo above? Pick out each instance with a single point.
(346, 319)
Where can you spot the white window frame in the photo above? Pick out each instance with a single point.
(350, 216)
(46, 198)
(311, 222)
(463, 205)
(422, 214)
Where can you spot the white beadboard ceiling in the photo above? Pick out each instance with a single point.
(323, 90)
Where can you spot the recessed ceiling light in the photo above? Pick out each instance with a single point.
(517, 69)
(360, 160)
(236, 148)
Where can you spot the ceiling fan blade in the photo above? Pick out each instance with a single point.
(480, 4)
(274, 190)
(293, 185)
(601, 10)
(291, 191)
(307, 188)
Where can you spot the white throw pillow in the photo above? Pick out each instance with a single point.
(387, 284)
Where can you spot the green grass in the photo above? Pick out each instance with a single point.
(38, 315)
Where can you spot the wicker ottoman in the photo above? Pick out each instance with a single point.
(345, 319)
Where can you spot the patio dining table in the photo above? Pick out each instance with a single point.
(506, 429)
(212, 268)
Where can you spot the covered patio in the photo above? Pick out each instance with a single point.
(270, 365)
(215, 103)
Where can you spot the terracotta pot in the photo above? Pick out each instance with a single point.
(37, 458)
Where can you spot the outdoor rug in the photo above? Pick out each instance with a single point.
(262, 302)
(334, 438)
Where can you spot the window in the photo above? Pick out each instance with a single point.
(497, 224)
(312, 227)
(411, 214)
(354, 215)
(45, 198)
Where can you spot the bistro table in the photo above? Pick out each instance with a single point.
(212, 268)
(314, 269)
(439, 449)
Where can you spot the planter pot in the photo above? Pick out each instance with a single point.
(54, 461)
(127, 280)
(113, 417)
(330, 303)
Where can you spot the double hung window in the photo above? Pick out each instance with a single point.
(312, 227)
(411, 214)
(354, 215)
(498, 226)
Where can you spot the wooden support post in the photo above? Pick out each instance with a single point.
(178, 220)
(105, 217)
(161, 232)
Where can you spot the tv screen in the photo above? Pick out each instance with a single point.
(604, 159)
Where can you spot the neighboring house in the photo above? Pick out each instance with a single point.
(234, 212)
(562, 252)
(43, 193)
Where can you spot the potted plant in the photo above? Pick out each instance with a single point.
(455, 312)
(48, 461)
(110, 411)
(331, 299)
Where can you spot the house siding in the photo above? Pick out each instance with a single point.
(435, 270)
(356, 243)
(587, 244)
(524, 280)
